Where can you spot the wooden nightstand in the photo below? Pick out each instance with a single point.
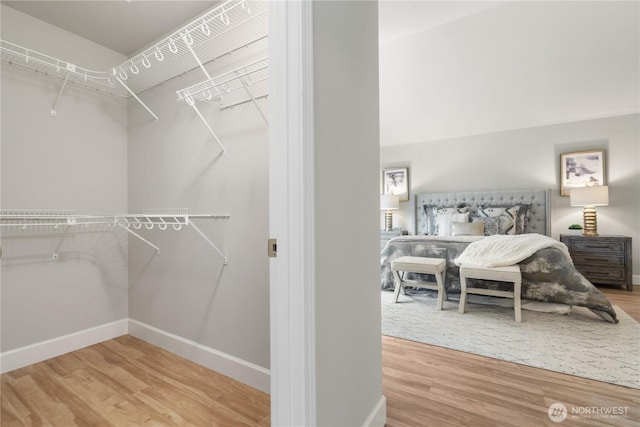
(385, 236)
(602, 259)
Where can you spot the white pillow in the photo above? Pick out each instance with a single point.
(467, 228)
(445, 220)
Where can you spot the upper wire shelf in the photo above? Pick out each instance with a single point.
(227, 84)
(39, 62)
(205, 39)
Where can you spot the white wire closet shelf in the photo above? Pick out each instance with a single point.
(160, 219)
(215, 34)
(235, 87)
(52, 67)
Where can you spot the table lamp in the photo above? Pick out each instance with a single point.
(388, 203)
(590, 197)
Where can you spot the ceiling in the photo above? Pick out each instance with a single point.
(124, 26)
(401, 18)
(500, 64)
(129, 26)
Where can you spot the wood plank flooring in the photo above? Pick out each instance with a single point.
(628, 301)
(128, 382)
(433, 386)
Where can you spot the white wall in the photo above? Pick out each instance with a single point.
(530, 158)
(175, 163)
(348, 348)
(75, 161)
(518, 65)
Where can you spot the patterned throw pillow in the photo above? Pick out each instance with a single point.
(504, 219)
(432, 212)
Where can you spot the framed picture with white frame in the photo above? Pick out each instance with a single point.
(396, 181)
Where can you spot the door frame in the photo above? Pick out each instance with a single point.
(291, 213)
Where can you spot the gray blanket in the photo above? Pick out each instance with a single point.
(547, 275)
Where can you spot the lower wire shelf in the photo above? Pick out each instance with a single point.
(160, 219)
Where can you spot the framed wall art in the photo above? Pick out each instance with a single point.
(581, 169)
(396, 181)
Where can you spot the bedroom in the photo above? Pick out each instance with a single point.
(335, 226)
(484, 119)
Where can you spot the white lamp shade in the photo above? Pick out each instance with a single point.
(389, 201)
(589, 196)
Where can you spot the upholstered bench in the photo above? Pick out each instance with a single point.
(414, 264)
(509, 273)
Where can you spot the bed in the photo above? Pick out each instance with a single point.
(447, 223)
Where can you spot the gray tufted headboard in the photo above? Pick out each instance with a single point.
(539, 199)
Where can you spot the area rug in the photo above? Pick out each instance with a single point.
(578, 343)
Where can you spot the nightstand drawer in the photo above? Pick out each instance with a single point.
(598, 246)
(597, 275)
(592, 259)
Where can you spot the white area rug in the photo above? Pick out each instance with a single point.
(579, 344)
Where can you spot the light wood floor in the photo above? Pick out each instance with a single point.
(432, 386)
(127, 382)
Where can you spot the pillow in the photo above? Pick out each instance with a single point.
(507, 219)
(444, 221)
(467, 228)
(431, 213)
(523, 218)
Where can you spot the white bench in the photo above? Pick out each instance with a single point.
(509, 273)
(413, 264)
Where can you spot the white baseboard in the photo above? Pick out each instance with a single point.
(34, 353)
(231, 366)
(635, 279)
(378, 416)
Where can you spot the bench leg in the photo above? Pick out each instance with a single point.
(397, 285)
(463, 293)
(441, 290)
(517, 303)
